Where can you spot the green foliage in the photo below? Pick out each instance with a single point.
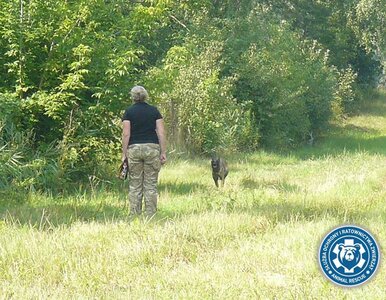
(199, 102)
(23, 167)
(23, 170)
(74, 64)
(331, 24)
(227, 75)
(368, 22)
(288, 81)
(345, 96)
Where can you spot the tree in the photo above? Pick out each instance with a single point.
(368, 21)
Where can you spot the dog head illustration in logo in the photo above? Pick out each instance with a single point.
(349, 256)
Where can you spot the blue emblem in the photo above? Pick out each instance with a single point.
(349, 256)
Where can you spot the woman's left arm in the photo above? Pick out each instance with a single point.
(125, 138)
(160, 129)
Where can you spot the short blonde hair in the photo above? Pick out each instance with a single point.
(139, 94)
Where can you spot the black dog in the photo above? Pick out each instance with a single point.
(219, 170)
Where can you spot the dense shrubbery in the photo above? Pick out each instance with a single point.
(227, 76)
(24, 165)
(198, 103)
(283, 89)
(288, 81)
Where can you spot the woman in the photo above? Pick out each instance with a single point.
(144, 144)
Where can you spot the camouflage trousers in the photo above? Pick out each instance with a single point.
(144, 166)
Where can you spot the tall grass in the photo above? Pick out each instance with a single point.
(257, 238)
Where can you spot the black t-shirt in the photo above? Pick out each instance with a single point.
(142, 117)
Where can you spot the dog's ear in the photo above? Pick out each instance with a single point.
(214, 155)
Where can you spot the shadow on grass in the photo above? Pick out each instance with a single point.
(52, 211)
(339, 145)
(48, 216)
(179, 188)
(340, 141)
(290, 212)
(277, 212)
(277, 184)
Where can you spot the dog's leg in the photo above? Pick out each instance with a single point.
(215, 178)
(222, 178)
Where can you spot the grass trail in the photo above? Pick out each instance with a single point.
(256, 238)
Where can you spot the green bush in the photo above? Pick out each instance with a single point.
(23, 167)
(346, 97)
(204, 114)
(287, 80)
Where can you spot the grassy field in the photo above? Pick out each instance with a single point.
(257, 238)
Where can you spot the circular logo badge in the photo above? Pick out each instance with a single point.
(349, 256)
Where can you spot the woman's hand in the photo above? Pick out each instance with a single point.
(163, 158)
